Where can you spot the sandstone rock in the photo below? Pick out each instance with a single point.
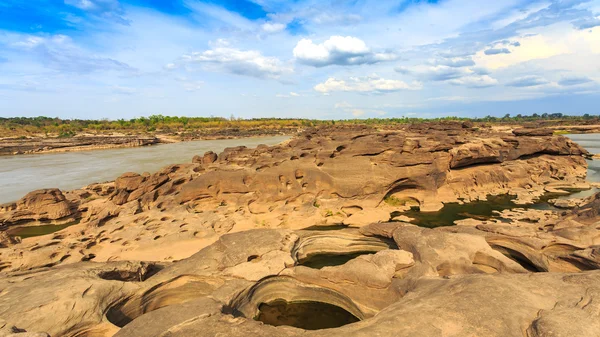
(477, 279)
(533, 132)
(365, 217)
(45, 204)
(565, 203)
(129, 181)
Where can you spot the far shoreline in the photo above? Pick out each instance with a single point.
(79, 143)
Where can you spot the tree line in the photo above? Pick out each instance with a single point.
(10, 126)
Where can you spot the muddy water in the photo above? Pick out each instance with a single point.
(304, 315)
(25, 173)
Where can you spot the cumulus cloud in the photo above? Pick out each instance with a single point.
(496, 51)
(240, 62)
(338, 50)
(271, 27)
(528, 81)
(455, 62)
(366, 84)
(570, 81)
(475, 81)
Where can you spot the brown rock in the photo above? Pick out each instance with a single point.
(533, 132)
(46, 204)
(129, 181)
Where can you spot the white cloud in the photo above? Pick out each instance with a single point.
(475, 81)
(170, 66)
(448, 98)
(291, 94)
(574, 80)
(435, 73)
(241, 62)
(338, 50)
(528, 81)
(273, 27)
(367, 84)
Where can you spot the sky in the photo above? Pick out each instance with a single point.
(300, 58)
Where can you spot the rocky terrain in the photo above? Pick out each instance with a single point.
(86, 142)
(240, 242)
(13, 146)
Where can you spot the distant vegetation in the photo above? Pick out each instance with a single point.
(24, 126)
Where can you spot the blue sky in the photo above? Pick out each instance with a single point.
(302, 58)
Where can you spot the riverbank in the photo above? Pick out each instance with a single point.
(40, 144)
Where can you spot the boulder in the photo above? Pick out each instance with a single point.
(129, 181)
(45, 204)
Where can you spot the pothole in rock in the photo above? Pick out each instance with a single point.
(482, 210)
(325, 228)
(283, 300)
(304, 315)
(329, 250)
(32, 231)
(319, 261)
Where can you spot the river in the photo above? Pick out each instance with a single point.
(71, 170)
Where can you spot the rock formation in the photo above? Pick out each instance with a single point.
(327, 176)
(239, 242)
(13, 146)
(457, 281)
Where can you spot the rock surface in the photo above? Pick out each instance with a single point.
(326, 176)
(44, 145)
(196, 249)
(455, 281)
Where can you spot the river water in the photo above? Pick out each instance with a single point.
(71, 170)
(591, 142)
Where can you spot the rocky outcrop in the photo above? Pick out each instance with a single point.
(240, 242)
(208, 158)
(327, 176)
(10, 146)
(532, 132)
(45, 204)
(471, 279)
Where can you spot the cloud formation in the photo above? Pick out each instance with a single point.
(366, 84)
(496, 51)
(475, 81)
(338, 50)
(574, 80)
(240, 62)
(528, 81)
